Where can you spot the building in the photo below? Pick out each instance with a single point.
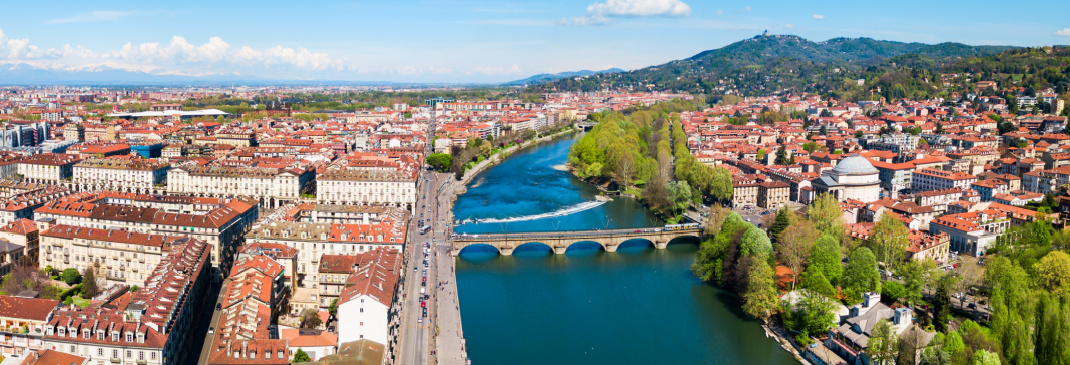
(366, 187)
(853, 178)
(28, 317)
(124, 175)
(971, 232)
(928, 247)
(773, 194)
(119, 256)
(313, 240)
(933, 179)
(270, 186)
(221, 223)
(246, 332)
(316, 343)
(851, 339)
(368, 307)
(49, 168)
(153, 328)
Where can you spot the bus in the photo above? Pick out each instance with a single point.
(424, 229)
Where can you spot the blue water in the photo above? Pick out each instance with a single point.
(638, 305)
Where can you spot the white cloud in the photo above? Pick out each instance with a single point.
(789, 26)
(819, 16)
(746, 8)
(178, 56)
(599, 13)
(720, 12)
(93, 16)
(1065, 32)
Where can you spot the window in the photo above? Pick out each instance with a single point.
(152, 355)
(129, 337)
(100, 352)
(115, 354)
(129, 354)
(141, 355)
(74, 349)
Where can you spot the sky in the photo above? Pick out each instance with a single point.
(470, 41)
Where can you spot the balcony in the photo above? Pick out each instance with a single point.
(115, 360)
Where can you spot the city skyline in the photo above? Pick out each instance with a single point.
(462, 42)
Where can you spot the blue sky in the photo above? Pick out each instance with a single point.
(471, 41)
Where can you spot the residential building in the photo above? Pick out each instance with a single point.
(369, 307)
(23, 323)
(153, 328)
(49, 168)
(119, 256)
(124, 175)
(366, 187)
(933, 179)
(972, 232)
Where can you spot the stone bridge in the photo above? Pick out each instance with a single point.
(560, 241)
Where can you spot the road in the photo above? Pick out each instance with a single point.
(213, 297)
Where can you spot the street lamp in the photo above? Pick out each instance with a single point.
(605, 222)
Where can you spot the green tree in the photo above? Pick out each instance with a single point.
(915, 276)
(782, 220)
(826, 258)
(755, 242)
(861, 275)
(889, 240)
(781, 156)
(883, 343)
(893, 290)
(1053, 329)
(301, 356)
(827, 216)
(332, 309)
(440, 161)
(89, 283)
(1053, 272)
(984, 357)
(759, 297)
(70, 276)
(942, 305)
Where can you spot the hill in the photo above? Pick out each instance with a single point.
(541, 78)
(774, 64)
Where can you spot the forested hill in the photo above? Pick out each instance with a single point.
(770, 64)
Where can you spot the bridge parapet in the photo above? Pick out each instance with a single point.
(560, 241)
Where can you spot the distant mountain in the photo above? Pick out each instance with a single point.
(25, 74)
(769, 64)
(541, 78)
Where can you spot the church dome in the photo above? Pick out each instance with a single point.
(855, 165)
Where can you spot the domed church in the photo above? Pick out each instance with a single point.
(852, 178)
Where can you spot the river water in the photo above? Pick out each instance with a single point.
(635, 306)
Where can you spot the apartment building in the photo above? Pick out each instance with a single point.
(253, 296)
(368, 306)
(272, 187)
(23, 322)
(125, 175)
(773, 194)
(49, 168)
(313, 240)
(364, 187)
(119, 256)
(221, 223)
(152, 328)
(933, 179)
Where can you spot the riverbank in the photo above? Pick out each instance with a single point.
(502, 155)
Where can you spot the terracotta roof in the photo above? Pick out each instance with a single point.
(26, 308)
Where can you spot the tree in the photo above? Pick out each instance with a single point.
(915, 276)
(680, 193)
(934, 353)
(23, 278)
(1053, 329)
(310, 318)
(301, 356)
(333, 308)
(811, 313)
(70, 276)
(984, 357)
(889, 240)
(826, 214)
(815, 281)
(755, 242)
(883, 343)
(440, 161)
(781, 156)
(826, 258)
(795, 246)
(783, 220)
(1053, 272)
(942, 305)
(893, 290)
(759, 297)
(861, 275)
(89, 283)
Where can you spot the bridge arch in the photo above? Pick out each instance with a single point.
(478, 248)
(685, 239)
(532, 246)
(635, 244)
(580, 246)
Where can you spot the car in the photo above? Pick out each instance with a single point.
(218, 306)
(423, 304)
(420, 320)
(211, 330)
(414, 268)
(425, 312)
(423, 283)
(637, 231)
(972, 306)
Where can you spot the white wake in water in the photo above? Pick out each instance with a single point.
(557, 213)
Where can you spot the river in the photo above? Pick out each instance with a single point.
(635, 306)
